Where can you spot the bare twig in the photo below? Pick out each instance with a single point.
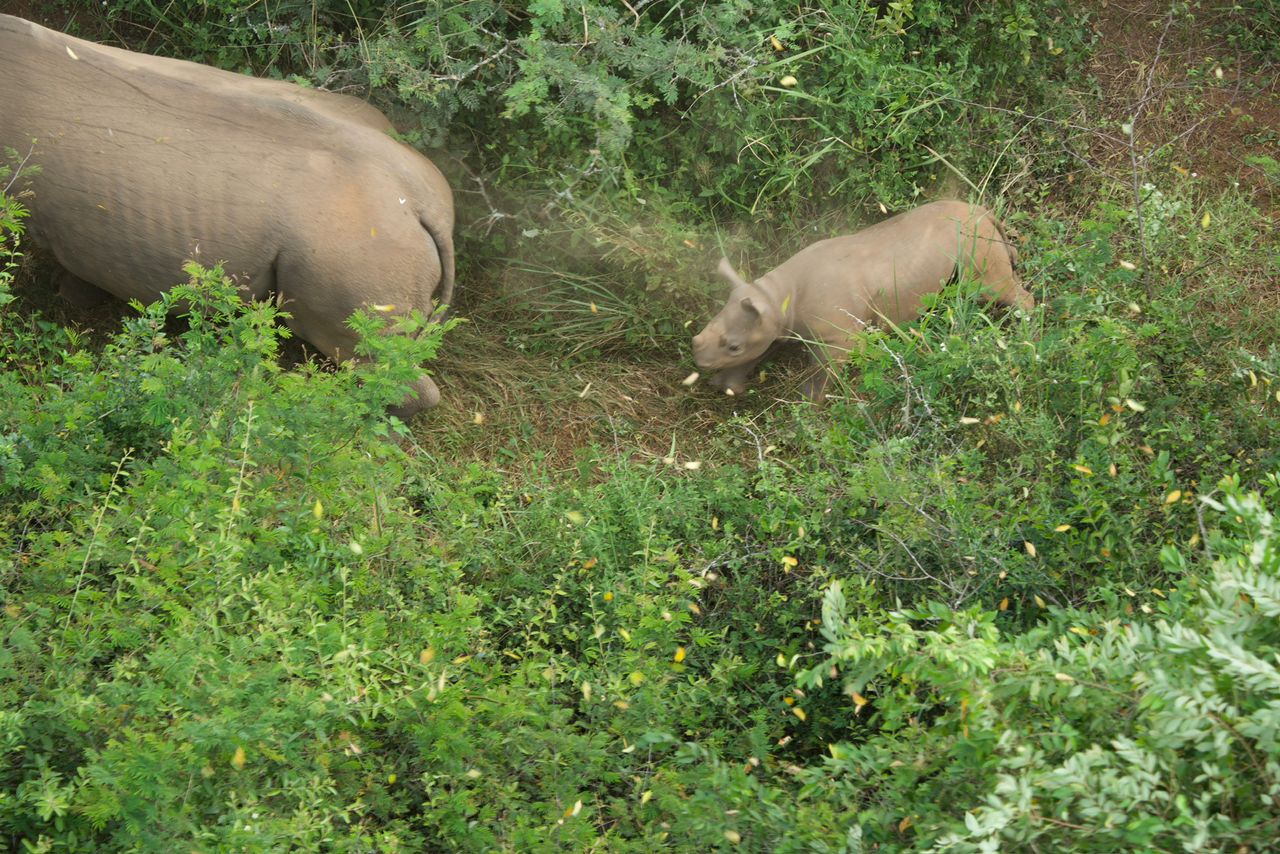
(17, 170)
(885, 532)
(1093, 131)
(1058, 821)
(751, 64)
(488, 60)
(755, 437)
(1235, 95)
(1132, 130)
(1204, 533)
(494, 214)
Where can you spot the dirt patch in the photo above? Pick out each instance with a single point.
(1197, 108)
(499, 404)
(45, 14)
(37, 296)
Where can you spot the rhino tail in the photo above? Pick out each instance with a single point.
(1017, 296)
(443, 241)
(1008, 244)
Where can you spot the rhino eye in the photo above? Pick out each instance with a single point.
(735, 347)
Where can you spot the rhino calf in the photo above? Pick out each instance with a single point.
(827, 293)
(146, 162)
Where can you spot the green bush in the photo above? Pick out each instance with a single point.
(580, 91)
(12, 213)
(1251, 25)
(269, 37)
(161, 502)
(1088, 733)
(229, 625)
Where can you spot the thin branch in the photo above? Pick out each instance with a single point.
(751, 64)
(1039, 118)
(1235, 96)
(488, 60)
(1059, 822)
(1148, 280)
(17, 170)
(494, 214)
(1204, 533)
(114, 489)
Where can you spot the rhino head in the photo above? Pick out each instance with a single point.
(744, 328)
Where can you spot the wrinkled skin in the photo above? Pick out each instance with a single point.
(829, 292)
(146, 162)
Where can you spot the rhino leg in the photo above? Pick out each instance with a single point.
(1016, 296)
(423, 395)
(826, 360)
(1001, 285)
(339, 345)
(994, 260)
(734, 379)
(77, 291)
(815, 386)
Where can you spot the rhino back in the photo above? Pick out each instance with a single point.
(331, 104)
(844, 282)
(138, 173)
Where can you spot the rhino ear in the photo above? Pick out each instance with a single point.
(729, 274)
(749, 307)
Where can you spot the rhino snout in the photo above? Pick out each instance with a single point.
(702, 349)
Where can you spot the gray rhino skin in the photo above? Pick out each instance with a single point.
(830, 291)
(146, 162)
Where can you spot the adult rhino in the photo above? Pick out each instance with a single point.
(146, 162)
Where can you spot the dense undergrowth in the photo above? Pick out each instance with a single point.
(1016, 588)
(973, 602)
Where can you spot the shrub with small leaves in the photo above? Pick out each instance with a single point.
(1088, 733)
(182, 516)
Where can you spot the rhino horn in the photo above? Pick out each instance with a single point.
(729, 274)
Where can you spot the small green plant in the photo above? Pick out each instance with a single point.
(1269, 166)
(1158, 212)
(12, 212)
